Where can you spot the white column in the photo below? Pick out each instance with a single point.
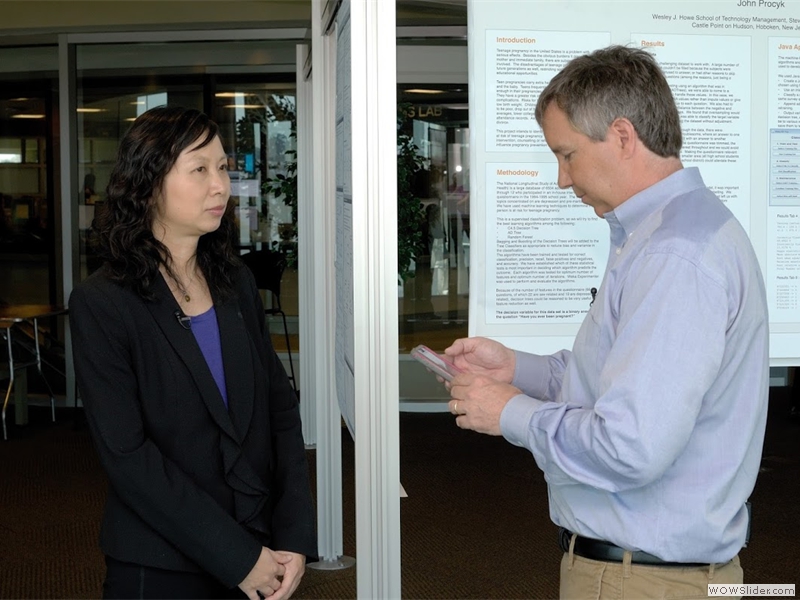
(374, 147)
(305, 239)
(329, 430)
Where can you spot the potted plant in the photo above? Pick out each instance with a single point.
(410, 215)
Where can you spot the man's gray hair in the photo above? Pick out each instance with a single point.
(595, 89)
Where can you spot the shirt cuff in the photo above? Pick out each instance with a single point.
(515, 419)
(531, 373)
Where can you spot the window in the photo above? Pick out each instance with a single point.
(27, 222)
(433, 299)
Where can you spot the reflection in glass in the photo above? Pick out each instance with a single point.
(27, 234)
(10, 150)
(258, 123)
(433, 303)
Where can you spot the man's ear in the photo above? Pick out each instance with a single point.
(624, 135)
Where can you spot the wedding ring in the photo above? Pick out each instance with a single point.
(455, 408)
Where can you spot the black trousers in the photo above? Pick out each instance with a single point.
(127, 580)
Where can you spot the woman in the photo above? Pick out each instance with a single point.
(191, 411)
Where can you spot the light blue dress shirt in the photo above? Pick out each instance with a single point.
(650, 431)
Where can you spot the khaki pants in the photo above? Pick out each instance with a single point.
(583, 578)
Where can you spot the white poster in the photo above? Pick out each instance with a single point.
(710, 80)
(519, 65)
(783, 270)
(734, 68)
(550, 251)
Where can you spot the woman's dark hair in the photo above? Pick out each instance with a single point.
(146, 154)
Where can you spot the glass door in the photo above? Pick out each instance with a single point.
(258, 123)
(27, 215)
(434, 295)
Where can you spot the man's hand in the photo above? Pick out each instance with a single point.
(478, 401)
(265, 575)
(483, 356)
(295, 568)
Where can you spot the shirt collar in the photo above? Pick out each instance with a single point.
(624, 219)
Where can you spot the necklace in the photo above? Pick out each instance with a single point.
(184, 290)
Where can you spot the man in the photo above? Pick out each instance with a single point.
(650, 431)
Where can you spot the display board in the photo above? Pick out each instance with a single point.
(734, 69)
(345, 355)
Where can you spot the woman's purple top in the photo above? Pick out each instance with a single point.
(206, 332)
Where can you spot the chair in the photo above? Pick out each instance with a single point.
(267, 267)
(9, 365)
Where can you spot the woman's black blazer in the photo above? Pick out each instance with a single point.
(193, 486)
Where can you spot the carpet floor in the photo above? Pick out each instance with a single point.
(475, 524)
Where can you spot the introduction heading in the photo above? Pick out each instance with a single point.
(516, 40)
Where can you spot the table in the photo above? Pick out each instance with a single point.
(10, 316)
